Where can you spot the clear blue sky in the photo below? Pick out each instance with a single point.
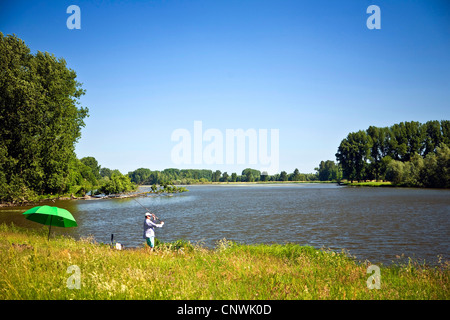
(311, 69)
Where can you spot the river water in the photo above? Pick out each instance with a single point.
(375, 224)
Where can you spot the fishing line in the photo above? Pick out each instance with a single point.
(146, 208)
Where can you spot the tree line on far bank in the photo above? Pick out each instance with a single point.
(408, 154)
(145, 176)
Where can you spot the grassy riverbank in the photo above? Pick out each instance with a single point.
(34, 268)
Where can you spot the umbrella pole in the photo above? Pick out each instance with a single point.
(50, 228)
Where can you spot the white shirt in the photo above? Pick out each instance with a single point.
(149, 227)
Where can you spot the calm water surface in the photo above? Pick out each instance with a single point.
(377, 224)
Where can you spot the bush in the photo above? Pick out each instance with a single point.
(394, 171)
(432, 171)
(117, 184)
(436, 169)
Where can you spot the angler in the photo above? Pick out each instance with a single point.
(149, 226)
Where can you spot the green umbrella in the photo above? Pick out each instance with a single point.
(51, 216)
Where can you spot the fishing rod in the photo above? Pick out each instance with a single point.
(146, 209)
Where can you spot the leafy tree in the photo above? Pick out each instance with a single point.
(40, 120)
(383, 167)
(413, 170)
(105, 172)
(155, 178)
(233, 177)
(264, 176)
(117, 184)
(395, 171)
(216, 176)
(445, 130)
(225, 177)
(353, 154)
(379, 148)
(328, 171)
(436, 168)
(92, 163)
(81, 178)
(397, 142)
(251, 175)
(406, 138)
(295, 176)
(140, 176)
(283, 176)
(171, 174)
(414, 137)
(433, 136)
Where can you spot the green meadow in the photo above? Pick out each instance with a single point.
(34, 268)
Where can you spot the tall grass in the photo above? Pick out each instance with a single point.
(34, 268)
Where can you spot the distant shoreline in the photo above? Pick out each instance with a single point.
(86, 197)
(374, 184)
(245, 183)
